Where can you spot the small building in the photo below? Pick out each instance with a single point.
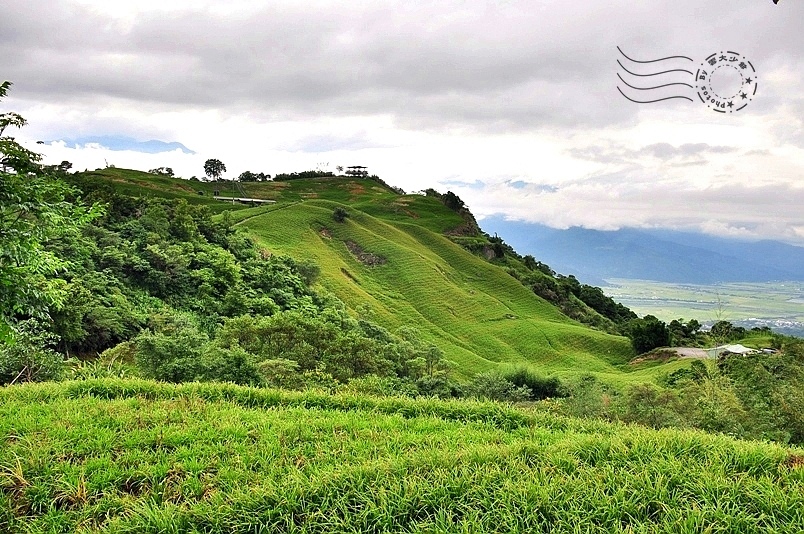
(356, 170)
(730, 349)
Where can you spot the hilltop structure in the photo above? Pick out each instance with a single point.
(356, 170)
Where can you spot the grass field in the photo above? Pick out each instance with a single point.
(138, 456)
(779, 305)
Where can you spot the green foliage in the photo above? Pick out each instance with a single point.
(724, 332)
(162, 171)
(589, 397)
(684, 334)
(248, 176)
(29, 357)
(172, 351)
(651, 406)
(214, 168)
(340, 214)
(35, 209)
(494, 386)
(107, 365)
(648, 333)
(540, 387)
(771, 388)
(285, 177)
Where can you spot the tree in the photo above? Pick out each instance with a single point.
(164, 171)
(214, 168)
(35, 209)
(649, 333)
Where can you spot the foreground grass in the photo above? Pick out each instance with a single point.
(137, 456)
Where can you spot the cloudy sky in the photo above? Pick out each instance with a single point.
(511, 104)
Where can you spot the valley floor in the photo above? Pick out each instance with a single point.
(779, 305)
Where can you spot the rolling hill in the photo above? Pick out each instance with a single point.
(391, 259)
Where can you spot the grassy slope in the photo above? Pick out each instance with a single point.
(138, 456)
(477, 314)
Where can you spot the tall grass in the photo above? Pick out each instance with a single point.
(136, 456)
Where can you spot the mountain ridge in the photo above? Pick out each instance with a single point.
(661, 255)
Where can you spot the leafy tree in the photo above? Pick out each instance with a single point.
(248, 176)
(163, 171)
(214, 168)
(649, 333)
(35, 209)
(452, 201)
(31, 358)
(172, 352)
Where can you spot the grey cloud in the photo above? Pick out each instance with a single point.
(676, 155)
(686, 150)
(523, 65)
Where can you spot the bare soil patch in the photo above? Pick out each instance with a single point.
(366, 258)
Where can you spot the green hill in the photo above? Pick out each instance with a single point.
(390, 259)
(474, 311)
(139, 456)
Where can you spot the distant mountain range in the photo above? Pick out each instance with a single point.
(662, 255)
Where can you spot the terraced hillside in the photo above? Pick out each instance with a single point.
(391, 259)
(410, 275)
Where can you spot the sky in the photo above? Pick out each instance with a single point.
(513, 105)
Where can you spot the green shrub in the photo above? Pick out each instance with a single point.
(540, 387)
(340, 214)
(28, 356)
(173, 351)
(494, 386)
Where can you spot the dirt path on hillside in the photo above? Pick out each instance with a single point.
(690, 352)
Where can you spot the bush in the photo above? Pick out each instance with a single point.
(494, 386)
(229, 365)
(540, 387)
(340, 214)
(173, 351)
(28, 357)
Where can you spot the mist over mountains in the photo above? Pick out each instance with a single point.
(661, 255)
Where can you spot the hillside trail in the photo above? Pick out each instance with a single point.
(691, 352)
(278, 208)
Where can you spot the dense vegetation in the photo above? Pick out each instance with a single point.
(138, 456)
